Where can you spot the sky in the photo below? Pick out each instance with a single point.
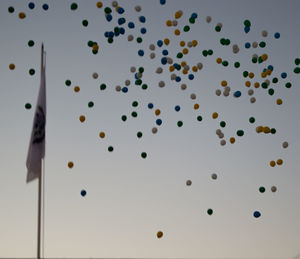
(130, 198)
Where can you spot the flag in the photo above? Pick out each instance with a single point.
(36, 150)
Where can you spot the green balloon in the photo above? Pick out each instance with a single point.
(237, 64)
(222, 124)
(102, 86)
(210, 52)
(297, 70)
(144, 86)
(85, 23)
(28, 106)
(90, 43)
(139, 134)
(186, 28)
(107, 10)
(240, 133)
(251, 119)
(273, 131)
(30, 43)
(179, 123)
(31, 71)
(209, 211)
(271, 91)
(95, 51)
(138, 82)
(223, 41)
(139, 40)
(245, 73)
(297, 61)
(135, 103)
(199, 118)
(218, 28)
(110, 149)
(262, 44)
(179, 55)
(11, 9)
(275, 80)
(90, 104)
(68, 82)
(262, 189)
(192, 20)
(247, 23)
(134, 114)
(254, 60)
(204, 53)
(124, 117)
(143, 154)
(264, 85)
(288, 85)
(141, 70)
(74, 6)
(225, 63)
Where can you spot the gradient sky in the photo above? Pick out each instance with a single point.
(129, 198)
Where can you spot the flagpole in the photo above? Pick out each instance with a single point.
(40, 180)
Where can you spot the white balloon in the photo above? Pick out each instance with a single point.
(223, 142)
(95, 75)
(114, 3)
(193, 96)
(127, 82)
(154, 130)
(190, 44)
(130, 37)
(254, 44)
(152, 47)
(188, 182)
(250, 92)
(169, 60)
(186, 67)
(173, 76)
(138, 8)
(174, 23)
(264, 33)
(285, 144)
(218, 92)
(200, 66)
(132, 69)
(159, 70)
(208, 19)
(214, 176)
(252, 100)
(183, 86)
(273, 188)
(161, 84)
(118, 88)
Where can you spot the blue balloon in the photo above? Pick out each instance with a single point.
(142, 19)
(194, 15)
(120, 10)
(124, 89)
(178, 79)
(247, 45)
(122, 30)
(136, 76)
(256, 214)
(121, 21)
(164, 60)
(264, 70)
(108, 17)
(158, 122)
(106, 34)
(162, 2)
(31, 5)
(277, 35)
(191, 76)
(83, 193)
(150, 105)
(143, 30)
(246, 29)
(237, 94)
(111, 34)
(283, 75)
(130, 25)
(159, 43)
(141, 53)
(165, 52)
(270, 67)
(177, 108)
(45, 7)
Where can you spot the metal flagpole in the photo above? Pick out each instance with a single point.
(40, 180)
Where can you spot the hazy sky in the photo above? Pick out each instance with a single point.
(129, 199)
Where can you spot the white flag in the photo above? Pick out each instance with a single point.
(36, 149)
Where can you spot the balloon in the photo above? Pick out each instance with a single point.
(252, 100)
(279, 161)
(210, 212)
(30, 43)
(199, 118)
(152, 55)
(277, 35)
(138, 8)
(222, 124)
(124, 117)
(215, 115)
(188, 182)
(154, 130)
(45, 7)
(240, 133)
(127, 82)
(214, 176)
(110, 149)
(161, 84)
(130, 37)
(208, 19)
(82, 118)
(193, 96)
(83, 193)
(144, 155)
(90, 104)
(95, 75)
(114, 4)
(139, 134)
(11, 9)
(150, 105)
(74, 6)
(179, 124)
(218, 92)
(159, 234)
(237, 94)
(272, 163)
(102, 134)
(256, 214)
(99, 4)
(70, 164)
(134, 114)
(158, 122)
(232, 140)
(250, 92)
(196, 106)
(118, 88)
(285, 144)
(273, 188)
(27, 106)
(157, 112)
(169, 23)
(223, 142)
(12, 66)
(278, 101)
(22, 15)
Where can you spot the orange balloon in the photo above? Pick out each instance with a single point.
(70, 164)
(82, 118)
(159, 234)
(102, 134)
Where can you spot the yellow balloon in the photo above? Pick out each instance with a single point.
(167, 41)
(82, 118)
(99, 4)
(219, 60)
(223, 83)
(196, 106)
(279, 101)
(267, 130)
(185, 51)
(215, 115)
(272, 163)
(70, 164)
(177, 32)
(102, 134)
(12, 66)
(232, 140)
(22, 15)
(157, 112)
(279, 161)
(182, 43)
(76, 89)
(169, 23)
(178, 14)
(159, 234)
(259, 129)
(195, 43)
